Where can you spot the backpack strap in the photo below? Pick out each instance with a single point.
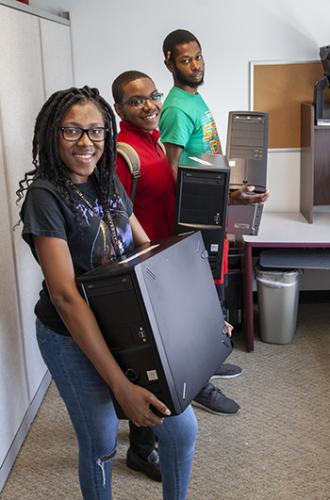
(133, 163)
(161, 145)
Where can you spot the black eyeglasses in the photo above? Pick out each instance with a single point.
(96, 134)
(139, 101)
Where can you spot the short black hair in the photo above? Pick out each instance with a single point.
(122, 80)
(177, 37)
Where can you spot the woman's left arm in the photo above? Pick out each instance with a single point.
(139, 234)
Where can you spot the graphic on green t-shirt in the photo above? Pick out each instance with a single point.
(187, 121)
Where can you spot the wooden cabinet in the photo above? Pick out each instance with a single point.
(315, 163)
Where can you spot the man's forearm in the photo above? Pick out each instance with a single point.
(173, 153)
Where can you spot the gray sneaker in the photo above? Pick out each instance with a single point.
(211, 399)
(227, 370)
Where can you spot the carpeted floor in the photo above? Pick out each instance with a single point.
(277, 448)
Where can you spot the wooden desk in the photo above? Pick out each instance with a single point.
(281, 230)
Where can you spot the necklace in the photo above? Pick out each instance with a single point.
(107, 217)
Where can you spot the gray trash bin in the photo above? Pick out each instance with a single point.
(278, 294)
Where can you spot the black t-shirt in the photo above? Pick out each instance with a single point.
(46, 213)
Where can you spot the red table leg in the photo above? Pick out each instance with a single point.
(248, 296)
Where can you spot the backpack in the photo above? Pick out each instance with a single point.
(133, 162)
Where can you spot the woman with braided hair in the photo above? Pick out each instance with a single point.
(76, 216)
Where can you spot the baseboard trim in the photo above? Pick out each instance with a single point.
(23, 430)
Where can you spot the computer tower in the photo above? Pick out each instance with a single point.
(233, 292)
(202, 199)
(246, 149)
(244, 219)
(160, 315)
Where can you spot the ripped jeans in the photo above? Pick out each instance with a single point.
(89, 403)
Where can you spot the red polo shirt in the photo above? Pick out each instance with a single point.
(154, 203)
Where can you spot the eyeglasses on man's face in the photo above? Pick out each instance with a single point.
(139, 101)
(73, 134)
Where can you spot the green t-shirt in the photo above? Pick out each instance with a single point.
(187, 121)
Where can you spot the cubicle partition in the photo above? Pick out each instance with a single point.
(36, 61)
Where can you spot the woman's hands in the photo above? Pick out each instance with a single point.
(136, 401)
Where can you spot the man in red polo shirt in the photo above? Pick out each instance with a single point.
(138, 104)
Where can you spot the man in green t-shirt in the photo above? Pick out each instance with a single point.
(197, 131)
(188, 127)
(186, 123)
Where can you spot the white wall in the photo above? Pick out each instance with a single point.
(110, 37)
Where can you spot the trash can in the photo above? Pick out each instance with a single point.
(278, 295)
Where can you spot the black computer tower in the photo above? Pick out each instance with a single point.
(233, 292)
(160, 316)
(202, 199)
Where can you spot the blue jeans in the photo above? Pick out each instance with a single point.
(89, 403)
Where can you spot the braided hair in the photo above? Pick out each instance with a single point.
(46, 159)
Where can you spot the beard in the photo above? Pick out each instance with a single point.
(184, 80)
